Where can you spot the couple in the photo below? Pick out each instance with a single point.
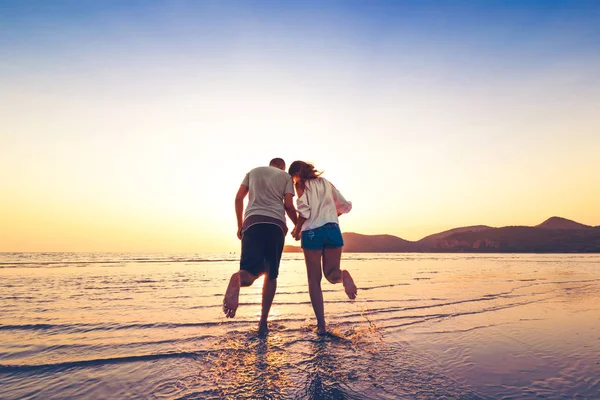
(263, 229)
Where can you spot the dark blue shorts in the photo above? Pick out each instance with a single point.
(327, 236)
(262, 245)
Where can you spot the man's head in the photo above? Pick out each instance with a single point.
(277, 163)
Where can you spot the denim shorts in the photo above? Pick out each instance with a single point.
(327, 236)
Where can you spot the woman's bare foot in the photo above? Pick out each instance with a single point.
(263, 329)
(349, 286)
(321, 329)
(232, 296)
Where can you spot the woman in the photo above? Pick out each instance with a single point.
(319, 206)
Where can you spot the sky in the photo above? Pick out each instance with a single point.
(129, 125)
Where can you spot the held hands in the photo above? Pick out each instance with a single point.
(296, 233)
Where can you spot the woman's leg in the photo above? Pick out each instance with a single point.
(331, 264)
(313, 270)
(333, 273)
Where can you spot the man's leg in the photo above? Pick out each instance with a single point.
(269, 288)
(249, 259)
(273, 249)
(232, 294)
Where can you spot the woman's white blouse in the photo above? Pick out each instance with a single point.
(321, 203)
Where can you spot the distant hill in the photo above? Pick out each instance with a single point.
(429, 241)
(555, 235)
(525, 239)
(291, 249)
(561, 223)
(356, 243)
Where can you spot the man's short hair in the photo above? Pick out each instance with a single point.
(277, 162)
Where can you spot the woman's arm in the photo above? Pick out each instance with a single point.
(342, 205)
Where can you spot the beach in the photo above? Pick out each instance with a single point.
(464, 326)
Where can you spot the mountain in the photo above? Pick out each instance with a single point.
(430, 241)
(356, 243)
(555, 235)
(561, 223)
(291, 249)
(525, 239)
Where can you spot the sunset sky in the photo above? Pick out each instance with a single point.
(129, 125)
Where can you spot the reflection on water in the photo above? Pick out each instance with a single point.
(424, 326)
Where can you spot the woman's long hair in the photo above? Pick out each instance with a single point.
(305, 171)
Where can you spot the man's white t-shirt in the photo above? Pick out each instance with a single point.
(267, 188)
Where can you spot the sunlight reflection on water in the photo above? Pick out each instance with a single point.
(424, 325)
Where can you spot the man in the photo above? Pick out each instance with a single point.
(262, 233)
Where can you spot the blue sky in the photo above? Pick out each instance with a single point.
(429, 113)
(476, 30)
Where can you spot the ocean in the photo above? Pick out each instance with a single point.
(424, 326)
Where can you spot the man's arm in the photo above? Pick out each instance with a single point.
(239, 208)
(290, 210)
(298, 228)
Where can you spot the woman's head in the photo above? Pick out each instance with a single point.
(302, 171)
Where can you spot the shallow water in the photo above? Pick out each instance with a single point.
(424, 326)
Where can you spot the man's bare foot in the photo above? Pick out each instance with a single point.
(349, 286)
(232, 296)
(263, 329)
